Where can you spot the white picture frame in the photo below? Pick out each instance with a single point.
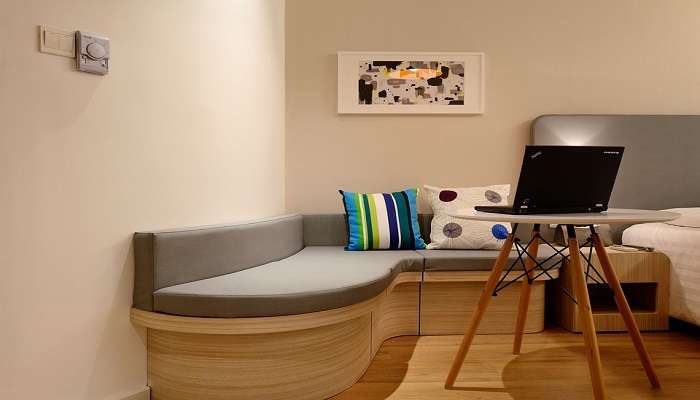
(351, 102)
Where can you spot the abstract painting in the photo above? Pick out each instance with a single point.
(411, 82)
(396, 83)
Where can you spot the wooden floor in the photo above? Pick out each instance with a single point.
(551, 366)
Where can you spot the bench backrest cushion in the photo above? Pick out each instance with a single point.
(325, 230)
(330, 229)
(167, 258)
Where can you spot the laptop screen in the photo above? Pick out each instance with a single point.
(565, 177)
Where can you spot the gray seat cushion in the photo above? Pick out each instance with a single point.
(475, 260)
(316, 278)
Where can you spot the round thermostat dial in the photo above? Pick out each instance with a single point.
(96, 51)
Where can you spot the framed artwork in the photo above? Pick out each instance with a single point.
(410, 83)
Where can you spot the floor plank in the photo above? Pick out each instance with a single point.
(551, 366)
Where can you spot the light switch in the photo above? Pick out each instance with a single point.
(52, 40)
(67, 43)
(60, 42)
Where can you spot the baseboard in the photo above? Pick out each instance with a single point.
(143, 394)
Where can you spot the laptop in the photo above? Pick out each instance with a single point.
(564, 179)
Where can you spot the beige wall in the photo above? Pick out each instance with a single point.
(187, 129)
(623, 56)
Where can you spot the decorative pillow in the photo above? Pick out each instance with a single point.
(447, 232)
(382, 220)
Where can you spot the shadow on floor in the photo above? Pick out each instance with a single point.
(560, 373)
(386, 372)
(552, 366)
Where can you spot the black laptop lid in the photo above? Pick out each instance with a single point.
(567, 177)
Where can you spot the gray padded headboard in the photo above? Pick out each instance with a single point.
(661, 165)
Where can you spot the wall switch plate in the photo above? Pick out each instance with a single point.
(60, 42)
(92, 53)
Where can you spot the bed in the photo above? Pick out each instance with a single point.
(660, 170)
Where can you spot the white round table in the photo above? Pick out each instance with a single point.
(612, 216)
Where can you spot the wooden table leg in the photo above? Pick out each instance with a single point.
(486, 295)
(585, 316)
(525, 290)
(625, 310)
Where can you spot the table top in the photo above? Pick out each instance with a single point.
(611, 216)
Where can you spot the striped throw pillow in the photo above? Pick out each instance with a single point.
(382, 221)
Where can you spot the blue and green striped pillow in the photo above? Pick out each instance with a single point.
(386, 221)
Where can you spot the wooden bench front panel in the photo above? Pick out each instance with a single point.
(446, 308)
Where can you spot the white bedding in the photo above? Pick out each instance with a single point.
(682, 246)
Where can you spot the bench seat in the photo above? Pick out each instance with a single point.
(315, 279)
(277, 309)
(279, 266)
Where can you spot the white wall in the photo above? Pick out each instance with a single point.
(187, 129)
(542, 56)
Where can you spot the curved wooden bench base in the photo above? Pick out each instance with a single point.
(311, 364)
(307, 356)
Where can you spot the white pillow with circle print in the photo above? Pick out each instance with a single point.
(447, 232)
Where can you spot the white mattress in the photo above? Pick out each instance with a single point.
(682, 246)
